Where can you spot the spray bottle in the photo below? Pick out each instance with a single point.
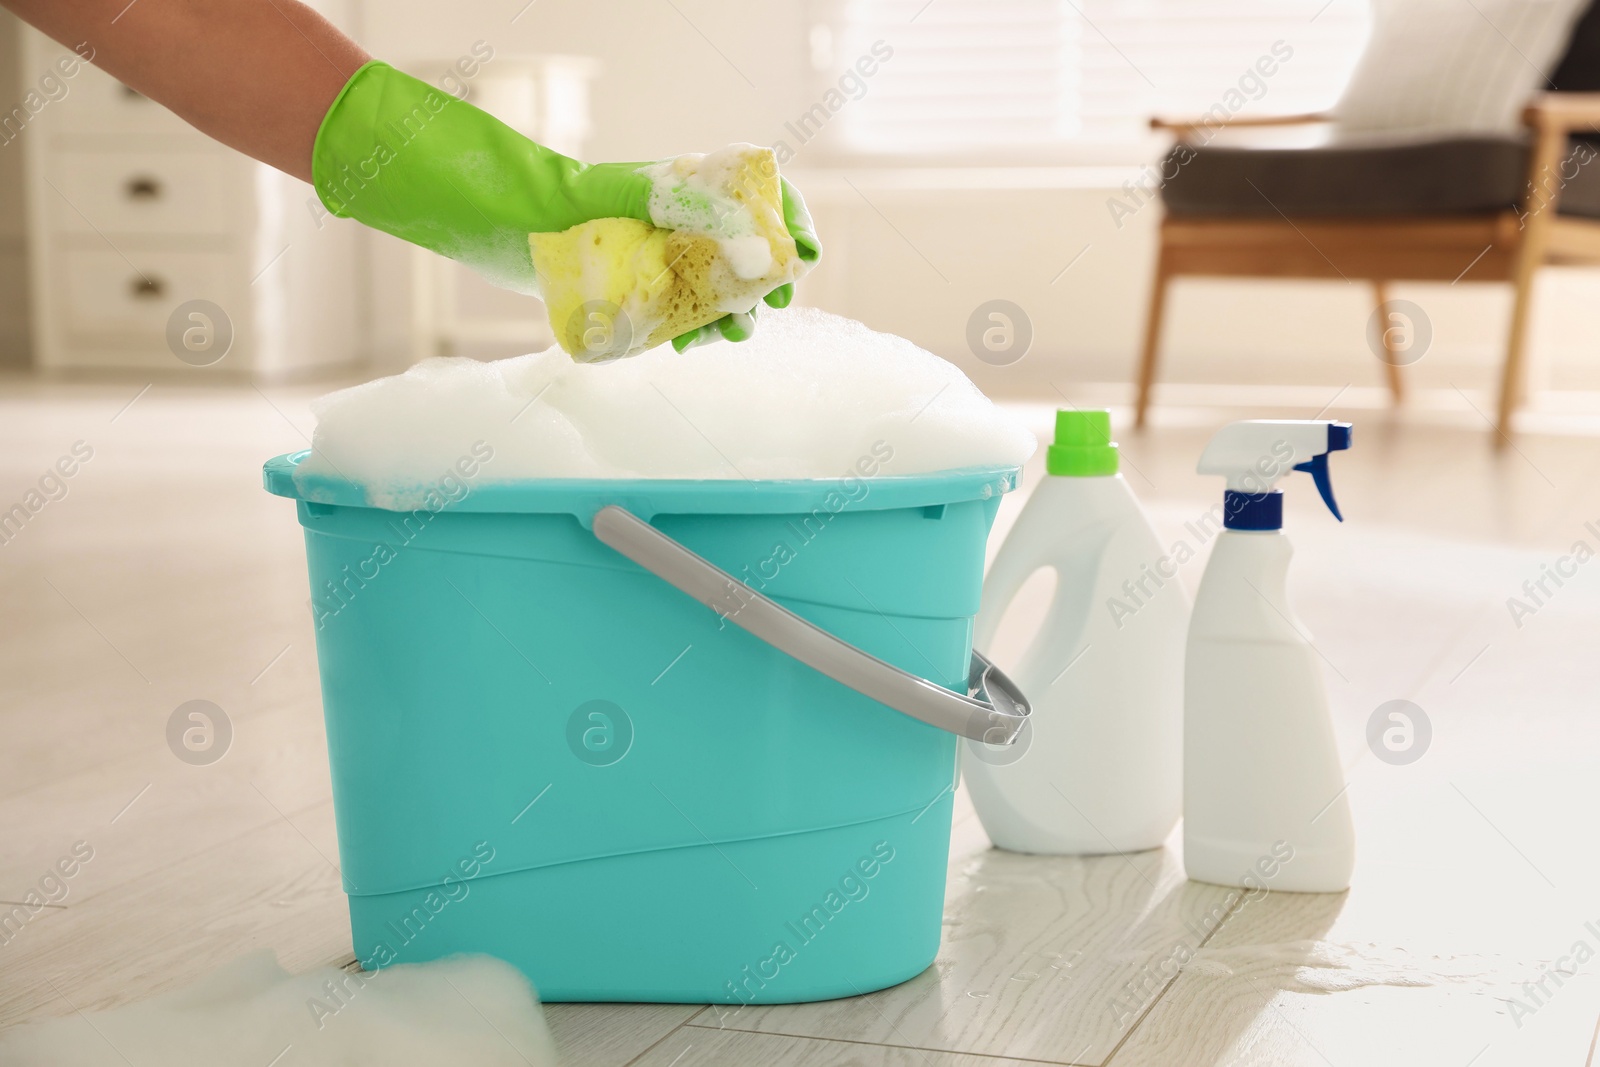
(1264, 801)
(1097, 767)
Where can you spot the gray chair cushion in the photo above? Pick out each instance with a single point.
(1442, 177)
(1580, 185)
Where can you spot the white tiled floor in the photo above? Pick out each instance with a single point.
(165, 574)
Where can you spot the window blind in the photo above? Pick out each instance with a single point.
(1034, 75)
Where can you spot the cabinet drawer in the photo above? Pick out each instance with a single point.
(145, 193)
(98, 103)
(98, 295)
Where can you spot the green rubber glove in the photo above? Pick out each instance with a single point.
(411, 160)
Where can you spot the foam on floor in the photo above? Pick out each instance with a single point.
(1325, 967)
(467, 1009)
(809, 396)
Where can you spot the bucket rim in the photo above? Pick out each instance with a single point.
(646, 497)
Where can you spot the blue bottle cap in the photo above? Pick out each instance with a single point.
(1252, 511)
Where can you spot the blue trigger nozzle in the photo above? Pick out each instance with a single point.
(1317, 466)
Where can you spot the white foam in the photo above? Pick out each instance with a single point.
(808, 396)
(696, 191)
(748, 257)
(468, 1009)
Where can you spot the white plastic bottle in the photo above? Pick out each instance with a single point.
(1098, 768)
(1264, 802)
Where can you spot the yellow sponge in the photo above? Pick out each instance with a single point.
(615, 287)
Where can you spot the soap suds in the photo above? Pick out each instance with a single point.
(748, 257)
(699, 192)
(807, 397)
(467, 1009)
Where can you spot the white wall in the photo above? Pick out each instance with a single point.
(669, 84)
(661, 69)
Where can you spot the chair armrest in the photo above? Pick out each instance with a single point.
(1564, 112)
(1553, 118)
(1184, 127)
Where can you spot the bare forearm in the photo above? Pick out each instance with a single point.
(257, 75)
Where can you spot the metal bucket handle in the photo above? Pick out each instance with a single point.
(992, 710)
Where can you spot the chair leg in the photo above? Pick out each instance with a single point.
(1391, 368)
(1513, 374)
(1152, 342)
(1550, 141)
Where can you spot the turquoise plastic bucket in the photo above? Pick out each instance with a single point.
(543, 752)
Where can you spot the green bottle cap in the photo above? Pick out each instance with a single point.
(1083, 447)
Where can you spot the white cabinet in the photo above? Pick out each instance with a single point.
(132, 213)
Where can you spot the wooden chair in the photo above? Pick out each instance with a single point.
(1507, 245)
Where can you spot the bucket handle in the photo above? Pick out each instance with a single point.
(992, 710)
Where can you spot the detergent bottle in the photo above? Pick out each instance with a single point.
(1098, 767)
(1264, 800)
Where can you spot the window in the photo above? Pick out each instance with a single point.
(1078, 78)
